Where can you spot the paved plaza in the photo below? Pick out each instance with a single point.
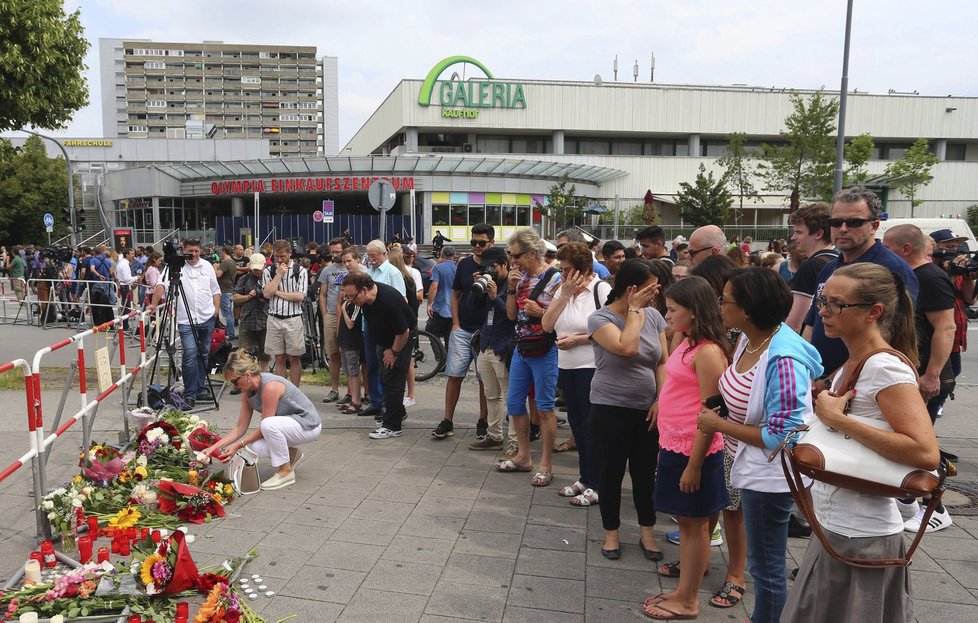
(416, 529)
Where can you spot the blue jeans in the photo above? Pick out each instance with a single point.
(766, 522)
(227, 311)
(576, 385)
(541, 372)
(374, 386)
(194, 361)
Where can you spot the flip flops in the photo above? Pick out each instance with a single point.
(565, 446)
(669, 616)
(587, 497)
(671, 570)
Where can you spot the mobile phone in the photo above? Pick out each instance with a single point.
(717, 404)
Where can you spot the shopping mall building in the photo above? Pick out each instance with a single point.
(460, 150)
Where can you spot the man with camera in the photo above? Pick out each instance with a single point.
(468, 316)
(963, 271)
(284, 285)
(203, 300)
(253, 309)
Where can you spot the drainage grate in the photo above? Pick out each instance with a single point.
(961, 497)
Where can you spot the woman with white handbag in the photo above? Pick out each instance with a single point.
(869, 308)
(288, 419)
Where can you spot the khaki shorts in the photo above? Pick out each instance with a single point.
(285, 336)
(330, 347)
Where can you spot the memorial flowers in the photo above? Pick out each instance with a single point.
(165, 569)
(102, 464)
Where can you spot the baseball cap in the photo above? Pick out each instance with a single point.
(946, 235)
(257, 261)
(551, 247)
(493, 255)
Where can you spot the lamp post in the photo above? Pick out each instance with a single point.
(73, 235)
(840, 141)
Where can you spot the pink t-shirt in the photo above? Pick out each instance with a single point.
(679, 404)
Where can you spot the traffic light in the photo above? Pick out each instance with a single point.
(79, 228)
(66, 213)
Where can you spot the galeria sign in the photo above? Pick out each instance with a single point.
(463, 99)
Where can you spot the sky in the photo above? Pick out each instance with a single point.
(928, 47)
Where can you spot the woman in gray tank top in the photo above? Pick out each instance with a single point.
(288, 419)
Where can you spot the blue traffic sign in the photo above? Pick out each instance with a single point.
(48, 220)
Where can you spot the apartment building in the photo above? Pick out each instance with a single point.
(285, 94)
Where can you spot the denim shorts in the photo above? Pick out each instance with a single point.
(536, 373)
(460, 353)
(712, 496)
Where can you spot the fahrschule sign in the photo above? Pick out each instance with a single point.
(464, 99)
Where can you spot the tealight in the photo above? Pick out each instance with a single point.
(269, 593)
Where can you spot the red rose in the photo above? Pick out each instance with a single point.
(71, 590)
(232, 616)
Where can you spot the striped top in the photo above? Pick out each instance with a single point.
(735, 389)
(293, 281)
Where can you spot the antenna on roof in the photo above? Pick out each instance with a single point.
(615, 67)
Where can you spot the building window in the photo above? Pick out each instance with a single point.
(250, 80)
(494, 215)
(174, 52)
(138, 128)
(626, 148)
(477, 214)
(155, 103)
(439, 214)
(459, 216)
(154, 65)
(955, 151)
(288, 117)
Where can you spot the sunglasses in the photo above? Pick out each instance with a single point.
(515, 256)
(478, 243)
(851, 223)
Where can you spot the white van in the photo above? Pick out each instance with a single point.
(927, 225)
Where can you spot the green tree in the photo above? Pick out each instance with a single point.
(31, 184)
(803, 167)
(971, 213)
(912, 172)
(858, 153)
(42, 54)
(737, 164)
(562, 207)
(706, 201)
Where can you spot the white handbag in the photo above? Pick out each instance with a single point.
(243, 471)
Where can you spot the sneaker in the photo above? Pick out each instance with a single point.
(908, 509)
(445, 429)
(798, 528)
(332, 396)
(482, 430)
(384, 433)
(716, 539)
(345, 400)
(409, 402)
(486, 444)
(534, 432)
(938, 521)
(561, 422)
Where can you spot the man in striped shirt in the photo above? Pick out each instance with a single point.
(284, 284)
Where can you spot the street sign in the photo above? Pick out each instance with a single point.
(329, 211)
(317, 216)
(382, 195)
(48, 219)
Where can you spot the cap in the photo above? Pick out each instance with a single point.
(679, 239)
(493, 255)
(946, 235)
(448, 251)
(257, 261)
(551, 247)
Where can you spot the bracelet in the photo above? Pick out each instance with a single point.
(510, 291)
(634, 311)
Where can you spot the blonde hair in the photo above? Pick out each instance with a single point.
(527, 240)
(240, 362)
(396, 258)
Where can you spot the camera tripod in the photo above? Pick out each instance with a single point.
(167, 327)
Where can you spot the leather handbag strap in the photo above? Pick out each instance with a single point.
(803, 498)
(852, 375)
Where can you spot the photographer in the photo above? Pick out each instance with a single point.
(964, 275)
(253, 309)
(203, 298)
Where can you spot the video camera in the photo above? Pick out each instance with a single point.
(173, 256)
(953, 269)
(57, 253)
(486, 274)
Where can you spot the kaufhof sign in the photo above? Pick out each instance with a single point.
(463, 99)
(306, 185)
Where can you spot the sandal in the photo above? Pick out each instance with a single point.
(670, 615)
(351, 409)
(671, 570)
(726, 594)
(571, 490)
(587, 497)
(565, 446)
(541, 479)
(509, 466)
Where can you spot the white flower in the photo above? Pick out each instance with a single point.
(58, 492)
(48, 504)
(76, 502)
(87, 490)
(52, 516)
(142, 460)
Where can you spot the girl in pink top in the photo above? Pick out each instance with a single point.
(690, 483)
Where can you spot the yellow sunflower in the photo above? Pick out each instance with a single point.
(126, 518)
(193, 477)
(146, 570)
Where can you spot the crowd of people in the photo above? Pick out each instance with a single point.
(684, 362)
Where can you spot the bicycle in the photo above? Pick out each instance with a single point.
(429, 355)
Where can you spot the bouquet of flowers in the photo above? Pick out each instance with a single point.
(167, 569)
(140, 418)
(188, 502)
(102, 464)
(222, 604)
(201, 439)
(65, 595)
(156, 435)
(60, 506)
(221, 488)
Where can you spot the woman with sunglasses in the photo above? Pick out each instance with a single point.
(288, 419)
(869, 308)
(766, 390)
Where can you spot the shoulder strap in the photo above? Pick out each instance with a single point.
(544, 280)
(852, 375)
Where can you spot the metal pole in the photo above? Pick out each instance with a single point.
(71, 185)
(840, 141)
(616, 217)
(257, 237)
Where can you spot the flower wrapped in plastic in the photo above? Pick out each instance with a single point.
(201, 439)
(156, 435)
(222, 605)
(167, 569)
(102, 464)
(189, 503)
(221, 488)
(140, 418)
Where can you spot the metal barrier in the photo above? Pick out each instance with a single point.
(8, 294)
(59, 293)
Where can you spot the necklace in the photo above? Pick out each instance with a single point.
(748, 350)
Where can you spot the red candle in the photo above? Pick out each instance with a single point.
(157, 537)
(84, 548)
(38, 556)
(115, 546)
(124, 548)
(183, 609)
(93, 526)
(135, 618)
(103, 554)
(143, 534)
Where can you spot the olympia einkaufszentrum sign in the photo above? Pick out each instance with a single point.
(464, 99)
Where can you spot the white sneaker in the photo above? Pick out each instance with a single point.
(937, 522)
(409, 402)
(384, 433)
(908, 510)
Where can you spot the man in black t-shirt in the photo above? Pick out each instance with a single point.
(812, 238)
(389, 320)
